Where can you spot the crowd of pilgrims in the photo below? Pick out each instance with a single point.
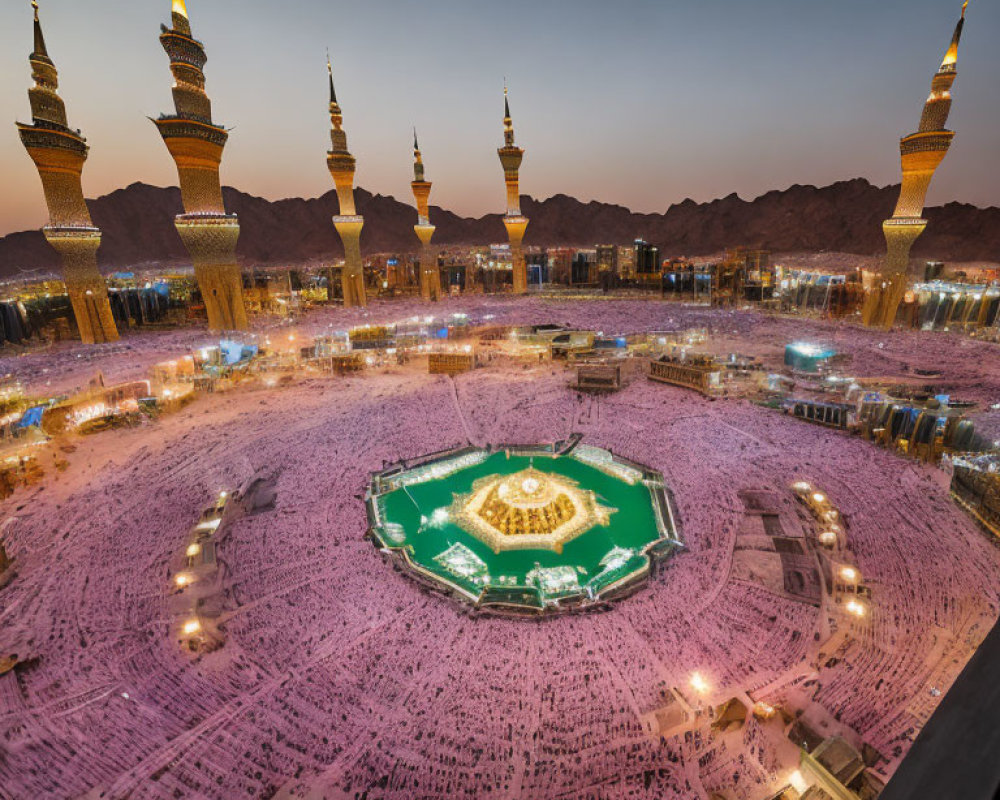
(340, 672)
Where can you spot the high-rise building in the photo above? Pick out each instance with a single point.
(561, 264)
(196, 143)
(348, 223)
(430, 275)
(607, 259)
(921, 154)
(536, 263)
(647, 258)
(584, 267)
(510, 157)
(626, 261)
(59, 154)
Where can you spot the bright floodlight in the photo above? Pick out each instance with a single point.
(849, 574)
(798, 782)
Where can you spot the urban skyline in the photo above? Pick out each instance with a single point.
(735, 136)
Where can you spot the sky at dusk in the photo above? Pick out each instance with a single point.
(638, 102)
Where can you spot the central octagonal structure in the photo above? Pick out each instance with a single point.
(529, 509)
(524, 529)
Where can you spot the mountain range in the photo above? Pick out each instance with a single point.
(844, 217)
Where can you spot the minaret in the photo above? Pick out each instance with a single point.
(921, 152)
(196, 144)
(430, 276)
(59, 154)
(516, 224)
(348, 223)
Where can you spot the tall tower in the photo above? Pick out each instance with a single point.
(59, 155)
(430, 276)
(196, 144)
(511, 156)
(348, 223)
(921, 153)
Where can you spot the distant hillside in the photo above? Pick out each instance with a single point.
(844, 217)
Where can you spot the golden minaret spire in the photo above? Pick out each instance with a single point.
(430, 276)
(921, 154)
(59, 153)
(951, 56)
(196, 143)
(510, 157)
(179, 17)
(508, 121)
(349, 223)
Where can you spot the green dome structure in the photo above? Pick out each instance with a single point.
(524, 529)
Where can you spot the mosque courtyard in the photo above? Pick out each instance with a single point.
(304, 662)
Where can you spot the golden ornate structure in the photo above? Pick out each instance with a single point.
(529, 509)
(196, 144)
(348, 223)
(510, 157)
(430, 275)
(921, 153)
(59, 154)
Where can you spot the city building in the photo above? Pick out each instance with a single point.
(921, 154)
(537, 264)
(626, 260)
(648, 269)
(583, 270)
(196, 143)
(59, 154)
(348, 223)
(561, 263)
(647, 258)
(607, 259)
(510, 157)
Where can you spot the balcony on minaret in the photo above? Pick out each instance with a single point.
(183, 49)
(175, 127)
